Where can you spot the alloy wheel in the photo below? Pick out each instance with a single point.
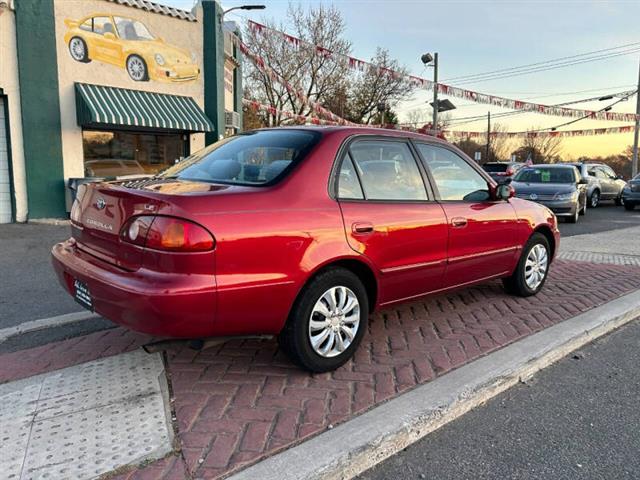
(535, 269)
(334, 321)
(595, 199)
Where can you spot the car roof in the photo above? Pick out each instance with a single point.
(362, 130)
(552, 165)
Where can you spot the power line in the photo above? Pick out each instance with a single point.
(553, 67)
(555, 60)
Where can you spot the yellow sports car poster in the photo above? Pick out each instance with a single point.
(128, 43)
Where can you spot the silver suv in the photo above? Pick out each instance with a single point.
(604, 183)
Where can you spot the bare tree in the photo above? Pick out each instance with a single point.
(321, 74)
(541, 148)
(300, 66)
(384, 84)
(500, 144)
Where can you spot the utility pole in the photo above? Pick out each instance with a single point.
(488, 134)
(435, 92)
(634, 162)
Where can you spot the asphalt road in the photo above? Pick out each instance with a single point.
(576, 420)
(29, 289)
(605, 217)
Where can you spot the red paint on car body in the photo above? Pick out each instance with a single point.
(270, 240)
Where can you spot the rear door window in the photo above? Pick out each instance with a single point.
(387, 170)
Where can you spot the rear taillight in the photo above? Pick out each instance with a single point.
(509, 172)
(76, 209)
(167, 233)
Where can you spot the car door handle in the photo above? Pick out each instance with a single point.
(362, 228)
(458, 222)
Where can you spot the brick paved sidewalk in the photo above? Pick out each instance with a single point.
(242, 401)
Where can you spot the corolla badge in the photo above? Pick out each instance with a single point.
(100, 203)
(533, 196)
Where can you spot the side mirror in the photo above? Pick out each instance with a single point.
(109, 36)
(504, 192)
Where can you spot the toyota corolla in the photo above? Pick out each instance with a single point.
(301, 233)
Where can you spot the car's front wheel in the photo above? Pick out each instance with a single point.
(137, 68)
(327, 321)
(619, 200)
(78, 50)
(533, 268)
(574, 216)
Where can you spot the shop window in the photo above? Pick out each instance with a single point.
(116, 153)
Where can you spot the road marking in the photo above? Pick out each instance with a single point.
(43, 323)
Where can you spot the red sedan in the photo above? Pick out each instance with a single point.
(299, 232)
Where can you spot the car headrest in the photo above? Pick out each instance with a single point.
(225, 169)
(380, 169)
(275, 168)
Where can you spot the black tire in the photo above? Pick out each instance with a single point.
(619, 201)
(137, 68)
(594, 199)
(78, 50)
(295, 337)
(516, 284)
(629, 206)
(573, 218)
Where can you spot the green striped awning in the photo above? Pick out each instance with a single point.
(98, 105)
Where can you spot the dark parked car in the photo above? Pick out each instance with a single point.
(631, 193)
(502, 172)
(300, 233)
(559, 187)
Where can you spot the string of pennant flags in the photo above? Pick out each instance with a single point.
(449, 90)
(449, 134)
(260, 64)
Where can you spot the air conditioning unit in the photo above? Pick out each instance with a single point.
(231, 119)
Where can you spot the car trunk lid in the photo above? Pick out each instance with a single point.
(104, 209)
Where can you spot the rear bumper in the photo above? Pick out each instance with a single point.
(160, 304)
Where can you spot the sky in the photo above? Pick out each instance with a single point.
(479, 36)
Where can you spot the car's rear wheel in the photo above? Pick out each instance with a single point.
(78, 50)
(533, 268)
(327, 321)
(594, 200)
(137, 68)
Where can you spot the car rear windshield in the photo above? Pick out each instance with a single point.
(546, 175)
(495, 167)
(261, 157)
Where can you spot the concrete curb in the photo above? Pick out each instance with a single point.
(44, 323)
(368, 439)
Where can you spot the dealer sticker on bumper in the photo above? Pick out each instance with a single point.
(82, 296)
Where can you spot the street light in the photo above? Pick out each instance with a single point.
(382, 109)
(243, 7)
(432, 61)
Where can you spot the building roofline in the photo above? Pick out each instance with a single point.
(157, 8)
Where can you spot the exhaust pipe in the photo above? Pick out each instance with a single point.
(198, 343)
